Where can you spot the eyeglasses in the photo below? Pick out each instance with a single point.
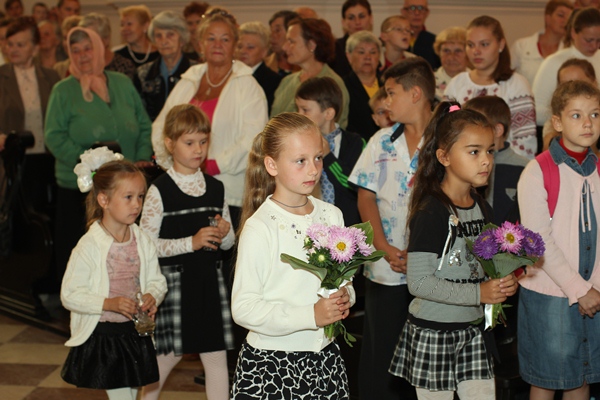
(416, 8)
(447, 51)
(401, 30)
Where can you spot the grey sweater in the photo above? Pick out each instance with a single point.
(450, 294)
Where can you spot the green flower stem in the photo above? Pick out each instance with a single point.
(333, 330)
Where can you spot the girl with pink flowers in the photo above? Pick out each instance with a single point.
(286, 353)
(440, 350)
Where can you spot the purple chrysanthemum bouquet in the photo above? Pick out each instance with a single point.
(501, 250)
(334, 254)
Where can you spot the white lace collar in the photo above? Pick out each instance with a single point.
(192, 184)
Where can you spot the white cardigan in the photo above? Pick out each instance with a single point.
(546, 80)
(269, 298)
(241, 114)
(86, 284)
(525, 56)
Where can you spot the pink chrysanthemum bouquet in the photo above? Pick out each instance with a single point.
(334, 254)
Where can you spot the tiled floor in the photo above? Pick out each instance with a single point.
(31, 360)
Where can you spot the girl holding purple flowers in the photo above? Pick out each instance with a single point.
(286, 354)
(440, 350)
(559, 345)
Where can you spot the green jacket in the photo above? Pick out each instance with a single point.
(285, 95)
(73, 125)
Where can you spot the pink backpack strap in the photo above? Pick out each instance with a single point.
(551, 178)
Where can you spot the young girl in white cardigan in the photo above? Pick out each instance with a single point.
(286, 354)
(112, 275)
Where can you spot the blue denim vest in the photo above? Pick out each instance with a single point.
(587, 222)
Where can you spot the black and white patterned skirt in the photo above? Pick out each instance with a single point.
(439, 360)
(268, 374)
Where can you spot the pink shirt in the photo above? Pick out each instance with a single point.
(123, 264)
(207, 106)
(557, 273)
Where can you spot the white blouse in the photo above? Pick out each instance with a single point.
(30, 96)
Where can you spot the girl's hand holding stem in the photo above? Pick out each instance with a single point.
(343, 301)
(328, 311)
(496, 291)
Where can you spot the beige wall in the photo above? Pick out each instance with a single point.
(518, 17)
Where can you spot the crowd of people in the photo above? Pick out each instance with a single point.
(263, 131)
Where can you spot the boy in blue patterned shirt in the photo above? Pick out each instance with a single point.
(384, 174)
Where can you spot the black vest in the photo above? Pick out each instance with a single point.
(184, 215)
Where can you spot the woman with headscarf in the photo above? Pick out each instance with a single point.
(112, 61)
(90, 106)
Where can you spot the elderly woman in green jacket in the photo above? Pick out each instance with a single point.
(90, 106)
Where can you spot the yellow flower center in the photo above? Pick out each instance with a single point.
(510, 237)
(341, 246)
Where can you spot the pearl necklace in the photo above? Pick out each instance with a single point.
(212, 85)
(143, 60)
(283, 204)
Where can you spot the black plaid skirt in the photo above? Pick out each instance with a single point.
(114, 356)
(168, 335)
(438, 360)
(277, 375)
